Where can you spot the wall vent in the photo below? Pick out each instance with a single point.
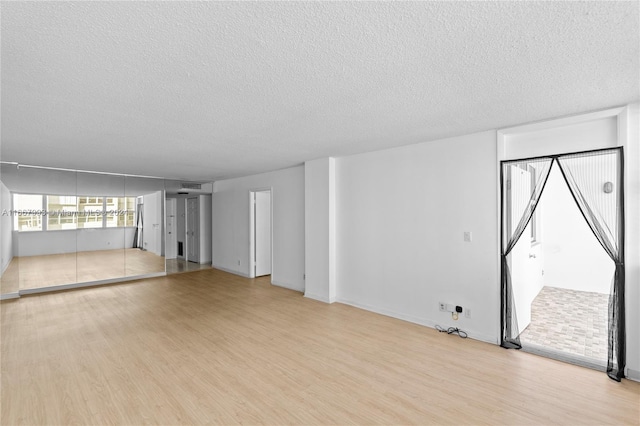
(191, 185)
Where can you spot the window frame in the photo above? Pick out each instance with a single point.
(17, 215)
(535, 218)
(129, 212)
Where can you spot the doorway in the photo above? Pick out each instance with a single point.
(192, 240)
(594, 188)
(193, 230)
(568, 279)
(260, 229)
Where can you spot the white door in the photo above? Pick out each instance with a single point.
(262, 233)
(152, 215)
(193, 231)
(171, 249)
(523, 264)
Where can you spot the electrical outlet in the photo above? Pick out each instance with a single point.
(442, 306)
(467, 236)
(238, 261)
(467, 313)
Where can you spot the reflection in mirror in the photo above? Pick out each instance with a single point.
(10, 278)
(145, 253)
(67, 227)
(187, 242)
(100, 226)
(44, 236)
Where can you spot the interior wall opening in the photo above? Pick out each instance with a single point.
(569, 279)
(260, 233)
(560, 314)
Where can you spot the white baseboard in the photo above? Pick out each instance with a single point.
(319, 298)
(413, 319)
(89, 283)
(8, 296)
(286, 285)
(231, 271)
(633, 375)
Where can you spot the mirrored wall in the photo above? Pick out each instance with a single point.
(62, 228)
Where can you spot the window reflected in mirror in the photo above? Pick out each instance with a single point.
(66, 227)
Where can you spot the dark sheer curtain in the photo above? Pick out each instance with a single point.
(137, 236)
(596, 183)
(518, 202)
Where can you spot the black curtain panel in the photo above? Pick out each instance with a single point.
(595, 179)
(520, 196)
(596, 183)
(137, 236)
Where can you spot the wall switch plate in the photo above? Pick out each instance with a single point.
(467, 313)
(467, 236)
(442, 307)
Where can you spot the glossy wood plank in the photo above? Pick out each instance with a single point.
(212, 348)
(29, 272)
(178, 266)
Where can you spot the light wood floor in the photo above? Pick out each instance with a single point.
(178, 266)
(28, 272)
(212, 348)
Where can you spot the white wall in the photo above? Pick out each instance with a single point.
(320, 230)
(401, 216)
(573, 258)
(39, 181)
(204, 205)
(576, 135)
(61, 182)
(57, 242)
(230, 224)
(6, 224)
(632, 256)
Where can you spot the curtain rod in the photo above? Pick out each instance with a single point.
(31, 166)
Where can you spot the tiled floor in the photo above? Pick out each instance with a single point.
(574, 322)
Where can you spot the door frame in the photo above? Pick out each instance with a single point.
(504, 152)
(187, 239)
(550, 352)
(252, 229)
(171, 253)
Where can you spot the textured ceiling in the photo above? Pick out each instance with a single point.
(207, 90)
